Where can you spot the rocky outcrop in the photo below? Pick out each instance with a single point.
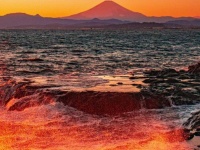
(195, 69)
(164, 88)
(22, 95)
(193, 122)
(180, 87)
(193, 126)
(112, 103)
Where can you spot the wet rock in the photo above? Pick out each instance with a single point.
(132, 78)
(120, 83)
(12, 89)
(33, 59)
(172, 80)
(139, 86)
(184, 76)
(182, 87)
(30, 101)
(182, 71)
(111, 103)
(195, 69)
(168, 73)
(152, 73)
(150, 80)
(197, 133)
(193, 122)
(187, 135)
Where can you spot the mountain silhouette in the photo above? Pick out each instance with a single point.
(22, 20)
(108, 10)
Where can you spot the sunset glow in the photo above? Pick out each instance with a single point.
(61, 8)
(23, 136)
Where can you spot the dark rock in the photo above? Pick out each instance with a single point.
(120, 83)
(31, 101)
(183, 76)
(187, 135)
(182, 87)
(194, 69)
(197, 133)
(139, 86)
(111, 103)
(113, 85)
(132, 78)
(194, 121)
(172, 80)
(152, 72)
(150, 80)
(168, 73)
(182, 71)
(33, 59)
(12, 89)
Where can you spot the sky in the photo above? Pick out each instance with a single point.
(61, 8)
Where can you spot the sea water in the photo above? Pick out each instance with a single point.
(75, 58)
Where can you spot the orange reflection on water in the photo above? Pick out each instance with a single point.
(24, 137)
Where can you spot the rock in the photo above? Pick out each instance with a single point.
(193, 124)
(152, 72)
(197, 133)
(30, 101)
(120, 83)
(168, 73)
(183, 76)
(182, 71)
(187, 135)
(172, 80)
(132, 78)
(194, 69)
(194, 121)
(182, 87)
(111, 103)
(12, 89)
(150, 80)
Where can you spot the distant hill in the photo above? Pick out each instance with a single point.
(186, 23)
(21, 20)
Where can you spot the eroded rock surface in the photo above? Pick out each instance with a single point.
(162, 89)
(19, 96)
(180, 87)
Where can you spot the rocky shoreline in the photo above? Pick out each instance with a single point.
(161, 88)
(181, 88)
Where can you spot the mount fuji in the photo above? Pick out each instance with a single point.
(108, 10)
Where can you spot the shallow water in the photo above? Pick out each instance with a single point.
(76, 59)
(55, 126)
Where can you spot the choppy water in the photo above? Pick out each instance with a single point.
(97, 52)
(76, 56)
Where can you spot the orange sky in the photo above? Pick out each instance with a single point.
(60, 8)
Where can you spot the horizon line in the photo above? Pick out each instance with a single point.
(62, 17)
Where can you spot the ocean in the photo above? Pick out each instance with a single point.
(34, 63)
